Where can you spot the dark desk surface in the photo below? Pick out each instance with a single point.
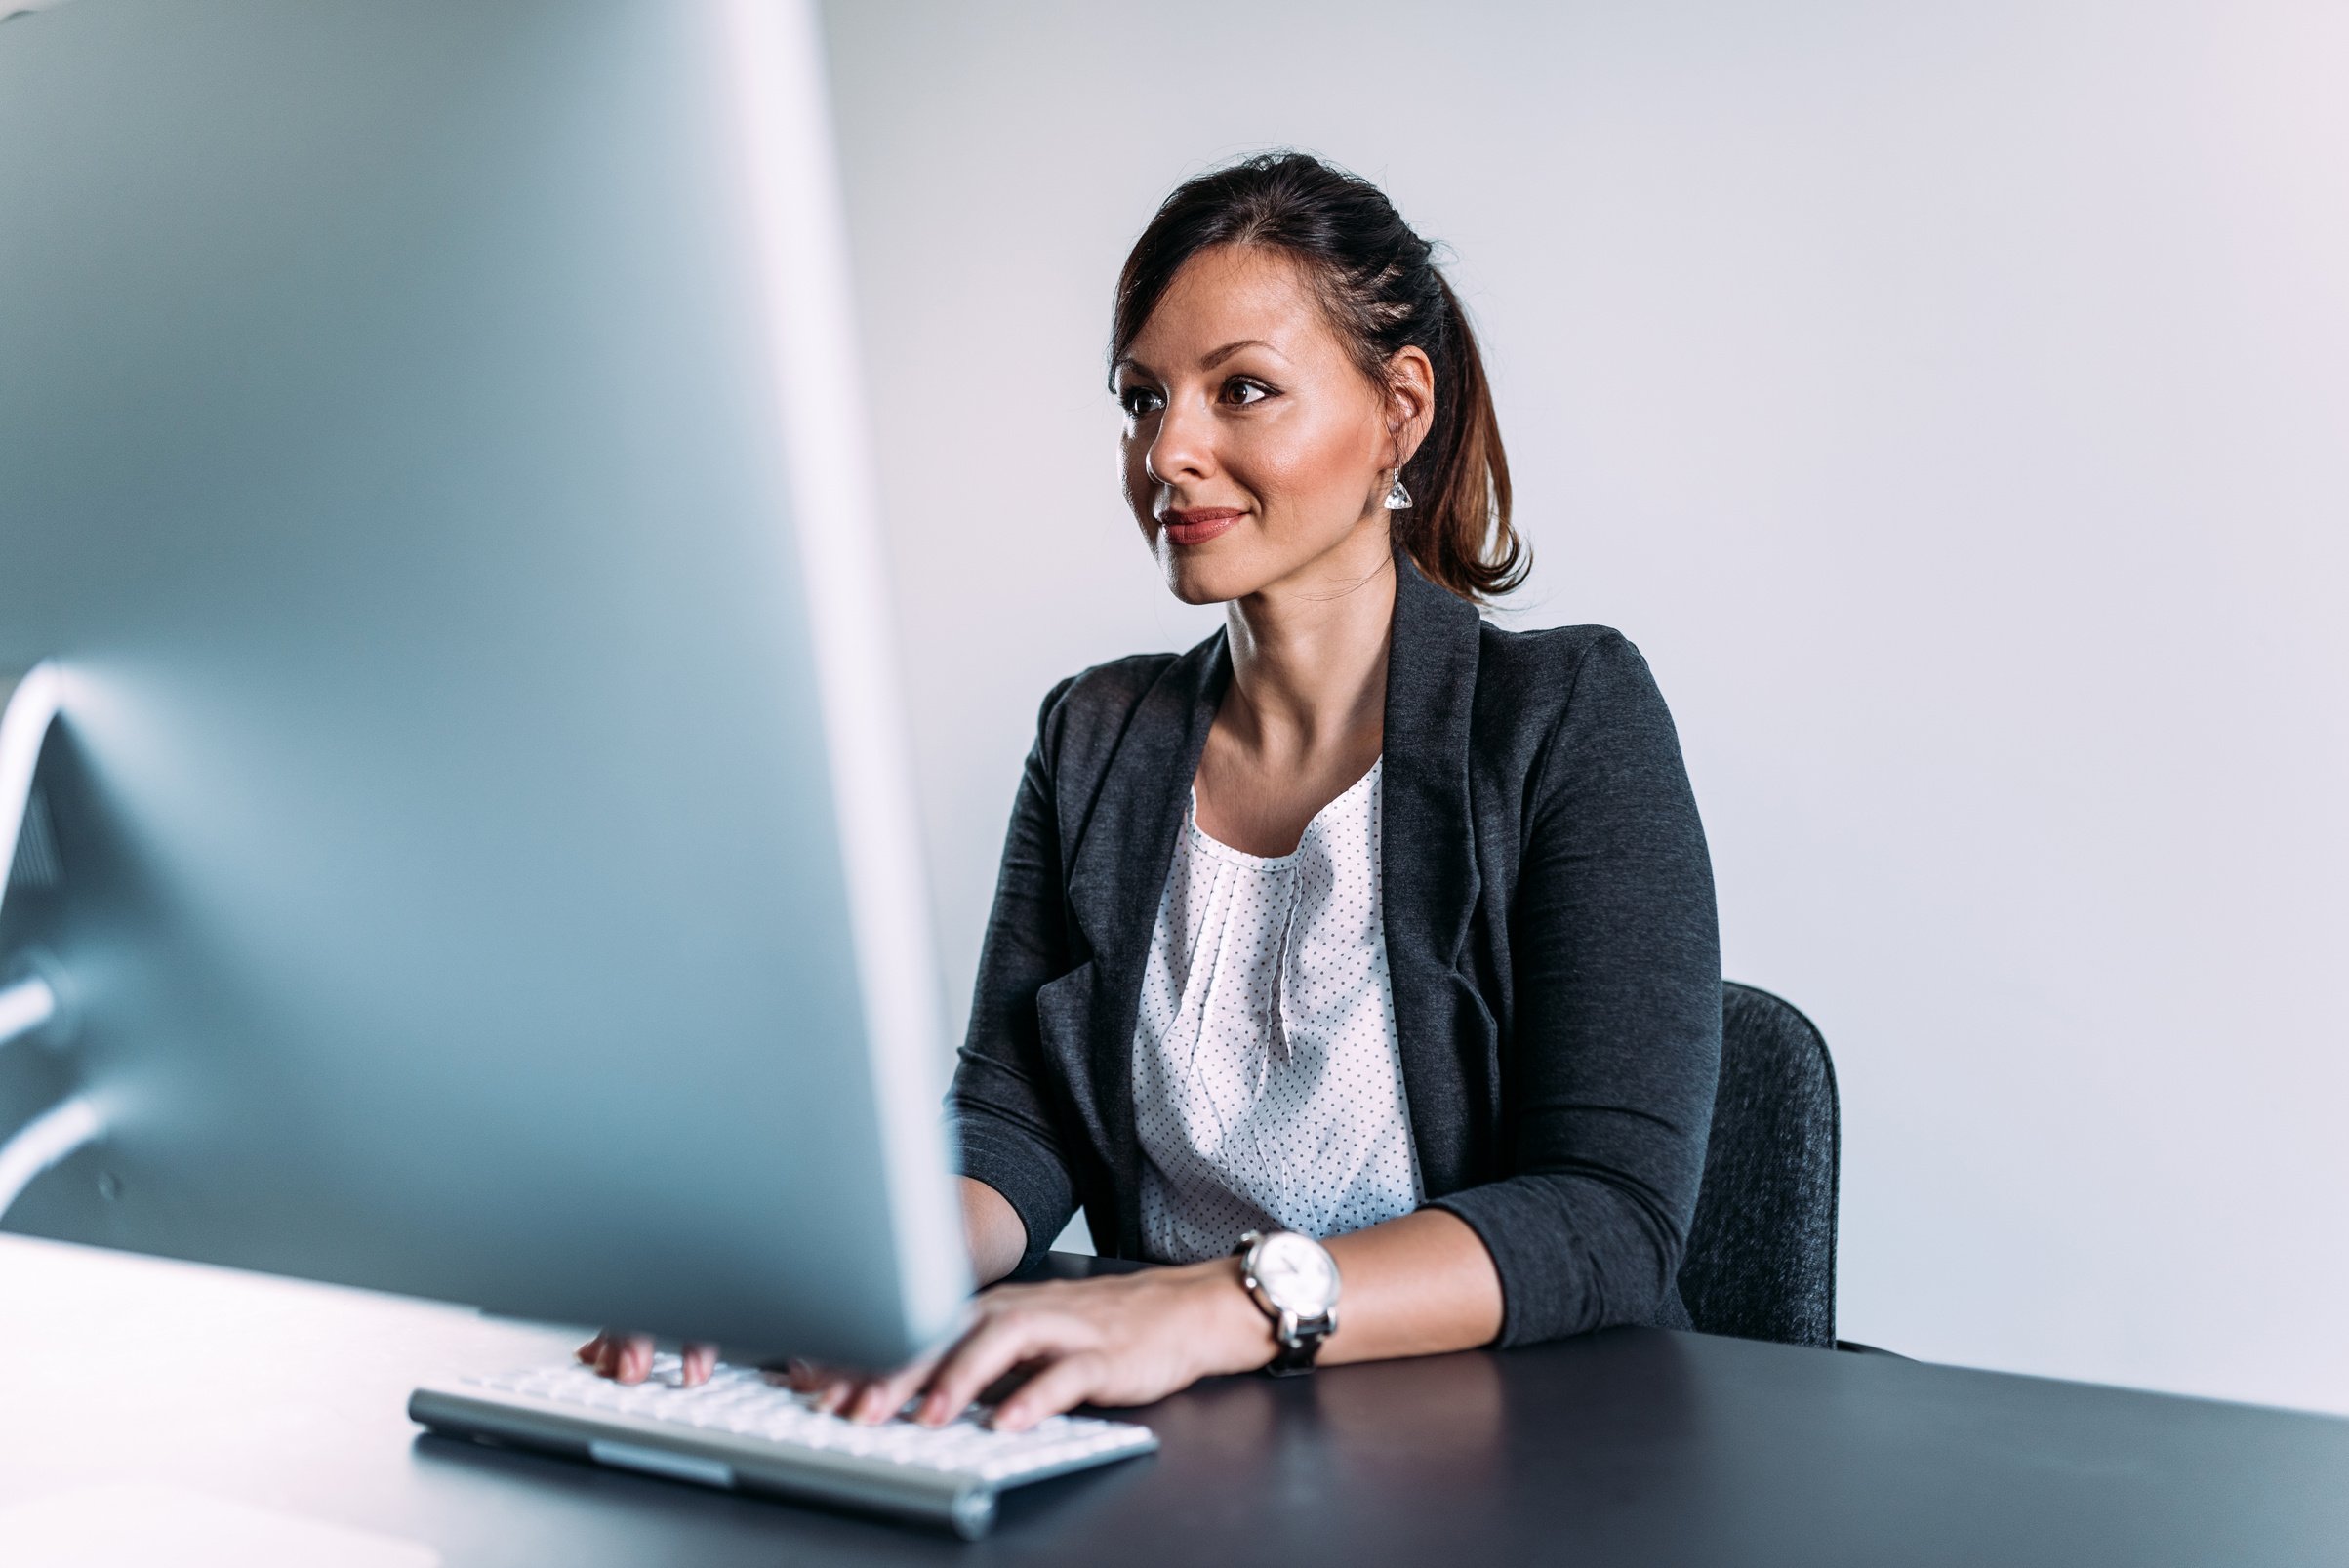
(1631, 1446)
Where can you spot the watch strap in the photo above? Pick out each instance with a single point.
(1295, 1350)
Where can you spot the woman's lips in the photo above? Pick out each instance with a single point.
(1200, 526)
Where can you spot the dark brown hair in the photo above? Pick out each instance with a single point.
(1378, 284)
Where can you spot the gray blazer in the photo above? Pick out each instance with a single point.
(1551, 940)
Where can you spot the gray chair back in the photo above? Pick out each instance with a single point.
(1760, 1259)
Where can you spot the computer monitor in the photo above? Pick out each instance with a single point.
(476, 836)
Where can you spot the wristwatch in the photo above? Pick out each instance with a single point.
(1295, 1280)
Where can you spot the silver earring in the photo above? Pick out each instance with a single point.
(1398, 498)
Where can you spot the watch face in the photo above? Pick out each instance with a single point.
(1297, 1274)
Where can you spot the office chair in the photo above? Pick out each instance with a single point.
(1760, 1258)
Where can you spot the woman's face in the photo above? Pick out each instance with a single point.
(1255, 450)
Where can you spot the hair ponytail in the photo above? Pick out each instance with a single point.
(1461, 534)
(1378, 284)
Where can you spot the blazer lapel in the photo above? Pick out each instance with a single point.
(1118, 875)
(1428, 864)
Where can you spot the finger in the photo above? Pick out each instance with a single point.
(607, 1356)
(807, 1377)
(1063, 1385)
(994, 1348)
(879, 1398)
(592, 1352)
(697, 1362)
(825, 1389)
(636, 1359)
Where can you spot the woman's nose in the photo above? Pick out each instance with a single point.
(1182, 448)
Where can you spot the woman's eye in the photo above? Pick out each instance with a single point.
(1242, 391)
(1140, 401)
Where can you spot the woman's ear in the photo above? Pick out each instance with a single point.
(1410, 401)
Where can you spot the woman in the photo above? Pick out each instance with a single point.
(1362, 922)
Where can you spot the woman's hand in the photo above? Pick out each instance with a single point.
(1123, 1340)
(990, 1227)
(1419, 1285)
(629, 1357)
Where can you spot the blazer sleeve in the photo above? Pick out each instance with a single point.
(1608, 1076)
(1001, 1099)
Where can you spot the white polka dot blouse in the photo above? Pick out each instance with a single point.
(1267, 1083)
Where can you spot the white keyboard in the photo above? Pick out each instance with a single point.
(739, 1430)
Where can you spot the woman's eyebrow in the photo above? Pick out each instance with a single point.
(1129, 362)
(1231, 349)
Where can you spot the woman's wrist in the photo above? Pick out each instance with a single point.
(1234, 1334)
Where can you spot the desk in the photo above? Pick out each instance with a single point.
(1630, 1446)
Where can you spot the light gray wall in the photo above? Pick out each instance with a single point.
(1950, 401)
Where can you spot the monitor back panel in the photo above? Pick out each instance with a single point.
(451, 867)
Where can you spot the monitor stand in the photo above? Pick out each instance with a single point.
(33, 994)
